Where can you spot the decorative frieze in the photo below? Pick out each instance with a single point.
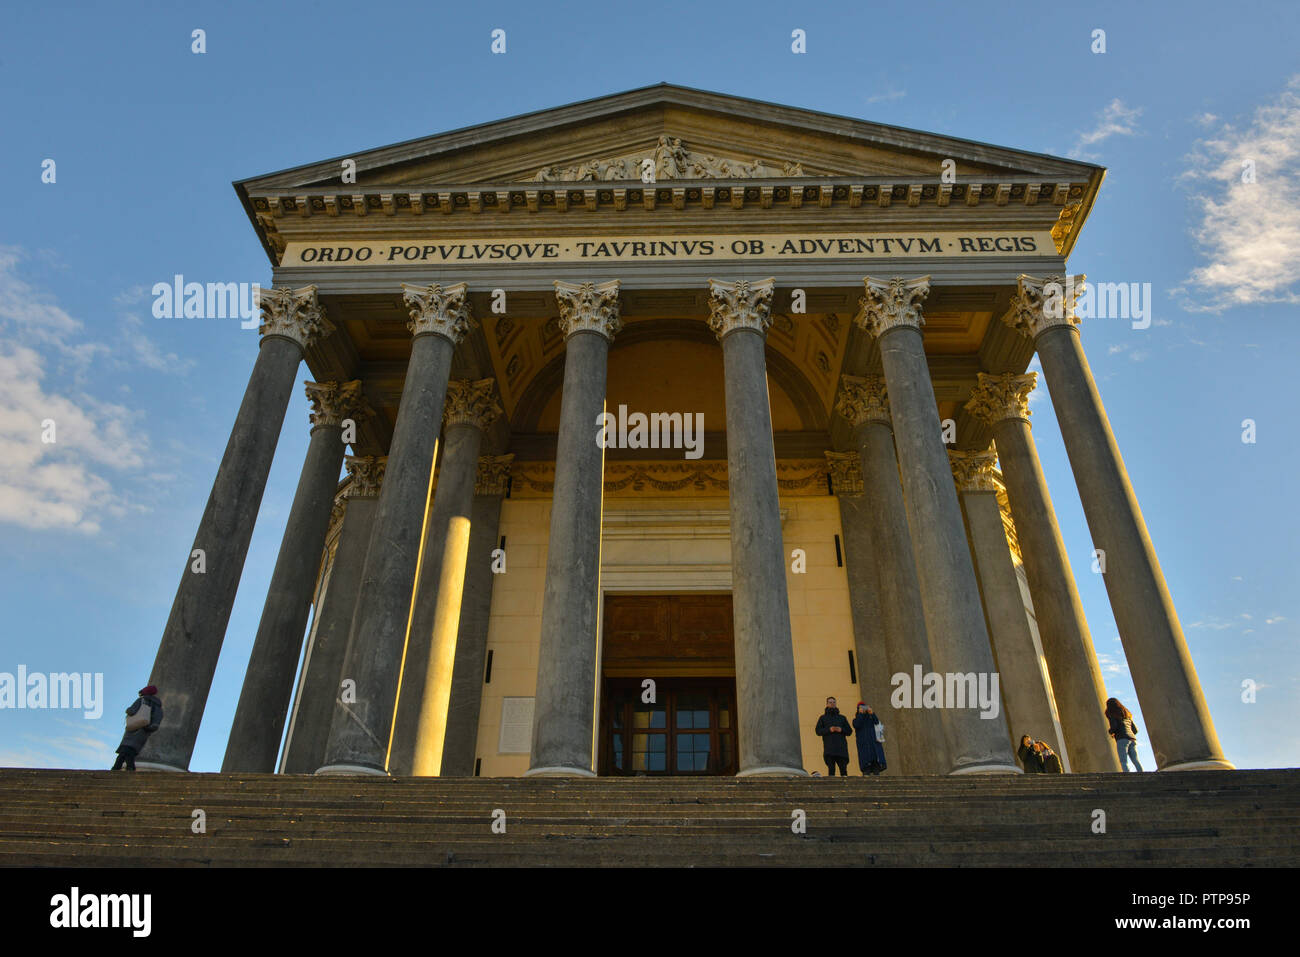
(365, 475)
(846, 472)
(1040, 304)
(332, 402)
(890, 303)
(293, 314)
(794, 477)
(589, 307)
(493, 474)
(668, 160)
(740, 305)
(863, 399)
(438, 310)
(471, 403)
(999, 397)
(974, 471)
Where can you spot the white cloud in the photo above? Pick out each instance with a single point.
(1249, 232)
(892, 94)
(1115, 119)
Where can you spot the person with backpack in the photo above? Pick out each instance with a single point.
(142, 720)
(1124, 731)
(871, 749)
(833, 728)
(1030, 759)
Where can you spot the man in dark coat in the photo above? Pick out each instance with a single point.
(133, 741)
(833, 728)
(871, 753)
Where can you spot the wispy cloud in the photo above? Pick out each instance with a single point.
(892, 94)
(1249, 209)
(1115, 119)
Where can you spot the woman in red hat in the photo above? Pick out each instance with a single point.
(139, 725)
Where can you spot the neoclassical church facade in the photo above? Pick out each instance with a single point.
(662, 417)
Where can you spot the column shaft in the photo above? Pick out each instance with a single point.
(954, 618)
(191, 641)
(1178, 720)
(564, 707)
(268, 683)
(459, 747)
(359, 735)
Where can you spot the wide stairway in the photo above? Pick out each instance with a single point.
(102, 818)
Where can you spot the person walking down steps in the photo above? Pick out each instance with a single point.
(142, 720)
(1124, 731)
(871, 746)
(834, 730)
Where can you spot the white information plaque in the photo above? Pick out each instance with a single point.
(516, 726)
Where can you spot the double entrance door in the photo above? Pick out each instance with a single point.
(668, 692)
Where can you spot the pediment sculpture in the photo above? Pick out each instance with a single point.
(671, 160)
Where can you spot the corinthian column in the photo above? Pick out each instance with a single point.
(766, 696)
(1024, 692)
(361, 730)
(319, 687)
(268, 683)
(431, 646)
(292, 320)
(880, 551)
(476, 606)
(1003, 402)
(954, 619)
(1178, 721)
(564, 708)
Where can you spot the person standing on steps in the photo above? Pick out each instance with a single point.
(1030, 759)
(834, 730)
(1124, 731)
(140, 723)
(871, 747)
(1051, 762)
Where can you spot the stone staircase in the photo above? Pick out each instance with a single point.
(102, 818)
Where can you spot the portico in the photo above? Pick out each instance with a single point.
(827, 306)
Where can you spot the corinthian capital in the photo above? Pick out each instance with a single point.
(470, 403)
(890, 303)
(438, 310)
(846, 472)
(366, 473)
(493, 474)
(999, 397)
(293, 314)
(1040, 304)
(740, 305)
(589, 307)
(332, 402)
(974, 471)
(863, 399)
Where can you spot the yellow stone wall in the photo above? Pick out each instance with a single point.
(821, 626)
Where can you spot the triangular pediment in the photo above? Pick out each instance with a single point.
(681, 134)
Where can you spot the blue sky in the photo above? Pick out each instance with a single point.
(148, 136)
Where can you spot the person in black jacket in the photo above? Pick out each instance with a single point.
(833, 728)
(1049, 758)
(1124, 731)
(133, 741)
(871, 753)
(1030, 759)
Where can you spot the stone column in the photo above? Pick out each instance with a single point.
(459, 748)
(1178, 721)
(954, 618)
(917, 733)
(318, 690)
(564, 708)
(766, 696)
(268, 682)
(361, 730)
(292, 320)
(1003, 402)
(435, 618)
(1024, 693)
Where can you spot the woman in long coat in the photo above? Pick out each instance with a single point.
(133, 741)
(871, 753)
